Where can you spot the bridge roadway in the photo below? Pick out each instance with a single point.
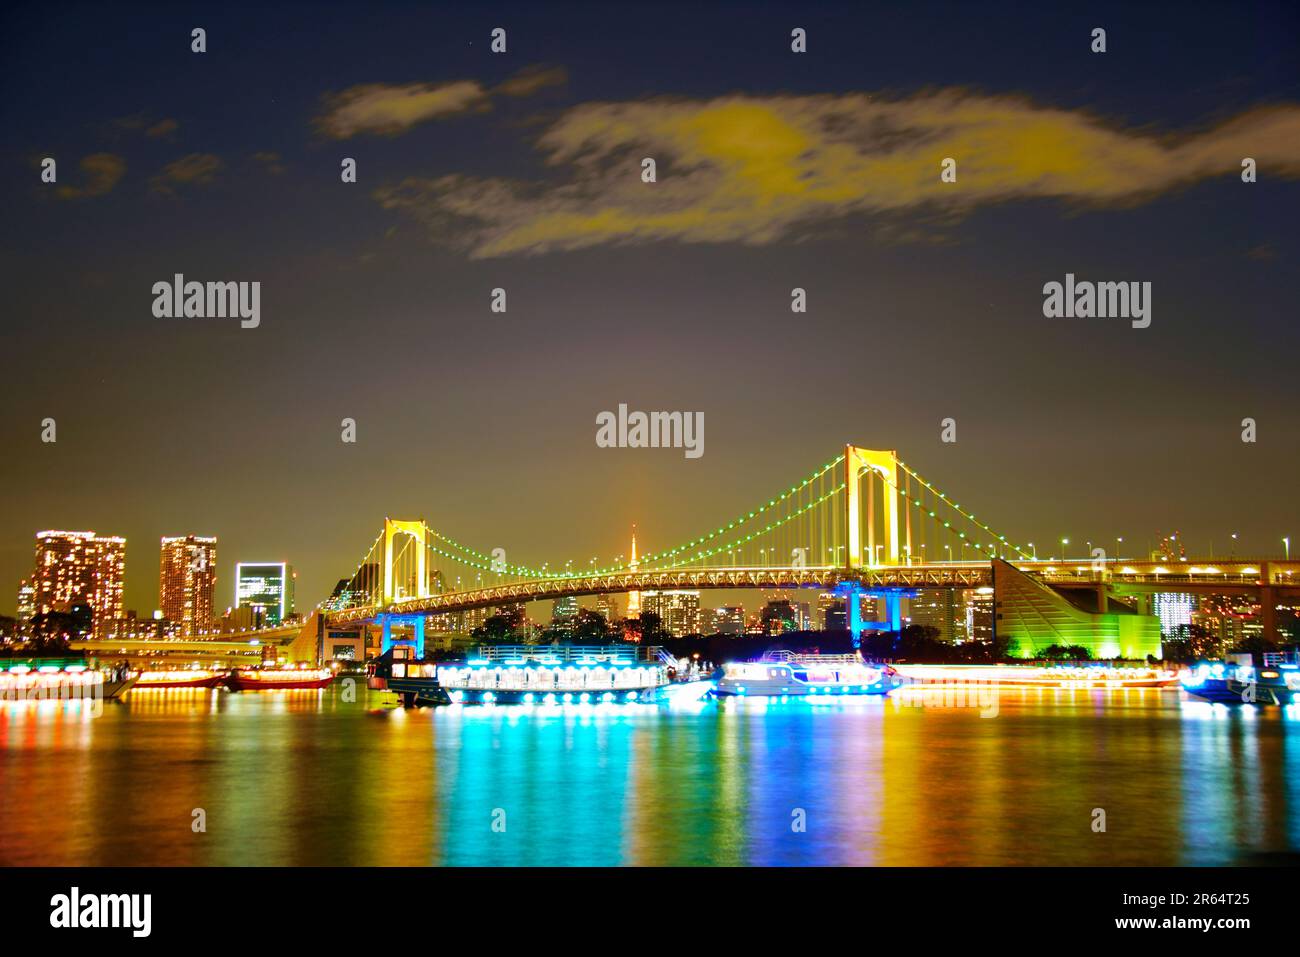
(1123, 576)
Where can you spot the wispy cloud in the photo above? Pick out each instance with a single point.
(163, 129)
(197, 169)
(758, 169)
(270, 161)
(100, 172)
(390, 109)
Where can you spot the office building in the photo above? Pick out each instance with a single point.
(187, 580)
(267, 586)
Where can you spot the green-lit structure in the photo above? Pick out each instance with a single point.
(1031, 616)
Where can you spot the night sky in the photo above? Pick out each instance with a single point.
(522, 171)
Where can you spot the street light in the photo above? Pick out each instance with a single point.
(1034, 550)
(1287, 542)
(1064, 542)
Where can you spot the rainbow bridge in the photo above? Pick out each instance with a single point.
(863, 523)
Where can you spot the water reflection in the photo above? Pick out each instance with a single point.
(307, 777)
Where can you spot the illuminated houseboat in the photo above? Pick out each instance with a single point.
(180, 678)
(62, 680)
(1239, 681)
(1061, 677)
(528, 674)
(785, 674)
(278, 679)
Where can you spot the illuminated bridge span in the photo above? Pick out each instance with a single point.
(863, 523)
(827, 579)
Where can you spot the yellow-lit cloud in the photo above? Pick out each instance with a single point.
(196, 169)
(756, 169)
(390, 109)
(100, 172)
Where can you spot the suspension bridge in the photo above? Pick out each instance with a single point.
(864, 523)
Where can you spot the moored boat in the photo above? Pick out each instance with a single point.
(278, 679)
(787, 674)
(1078, 677)
(528, 674)
(178, 678)
(1239, 681)
(62, 680)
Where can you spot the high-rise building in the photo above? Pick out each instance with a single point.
(565, 609)
(803, 616)
(834, 613)
(265, 585)
(978, 614)
(1174, 609)
(607, 605)
(729, 620)
(935, 608)
(81, 569)
(187, 581)
(358, 589)
(26, 604)
(678, 611)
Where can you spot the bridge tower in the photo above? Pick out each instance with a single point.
(884, 464)
(417, 531)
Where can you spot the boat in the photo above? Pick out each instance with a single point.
(1078, 677)
(63, 680)
(1238, 681)
(278, 679)
(528, 674)
(179, 678)
(788, 674)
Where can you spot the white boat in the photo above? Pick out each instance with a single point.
(786, 674)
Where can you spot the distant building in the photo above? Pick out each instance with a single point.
(244, 618)
(133, 626)
(935, 608)
(803, 615)
(778, 617)
(607, 605)
(187, 582)
(978, 608)
(267, 586)
(729, 620)
(679, 611)
(78, 569)
(26, 604)
(565, 609)
(358, 589)
(1174, 610)
(834, 612)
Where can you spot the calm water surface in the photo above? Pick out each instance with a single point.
(310, 778)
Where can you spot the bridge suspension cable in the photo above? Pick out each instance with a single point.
(806, 524)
